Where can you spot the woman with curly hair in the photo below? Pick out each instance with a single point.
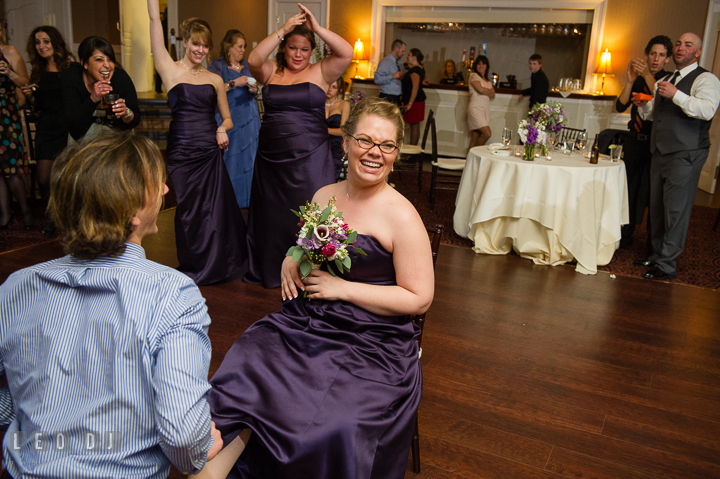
(49, 55)
(293, 159)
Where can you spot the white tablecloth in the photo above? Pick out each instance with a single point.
(549, 211)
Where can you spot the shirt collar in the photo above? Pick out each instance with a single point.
(132, 251)
(685, 71)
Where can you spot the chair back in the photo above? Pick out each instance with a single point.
(435, 237)
(570, 134)
(610, 137)
(427, 129)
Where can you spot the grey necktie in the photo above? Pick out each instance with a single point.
(675, 77)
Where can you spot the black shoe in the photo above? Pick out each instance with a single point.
(49, 228)
(28, 220)
(5, 226)
(658, 274)
(644, 262)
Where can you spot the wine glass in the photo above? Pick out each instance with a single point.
(506, 136)
(581, 141)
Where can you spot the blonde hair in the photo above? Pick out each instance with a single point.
(98, 187)
(194, 29)
(378, 107)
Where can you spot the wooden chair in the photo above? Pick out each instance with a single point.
(435, 237)
(443, 164)
(571, 134)
(410, 154)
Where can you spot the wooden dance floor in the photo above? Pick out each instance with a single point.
(534, 371)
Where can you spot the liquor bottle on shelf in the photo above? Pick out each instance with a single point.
(463, 66)
(595, 151)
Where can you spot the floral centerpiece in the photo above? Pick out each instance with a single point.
(544, 118)
(357, 96)
(324, 237)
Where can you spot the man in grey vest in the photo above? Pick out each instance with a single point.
(682, 110)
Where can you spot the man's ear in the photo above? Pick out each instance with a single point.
(135, 222)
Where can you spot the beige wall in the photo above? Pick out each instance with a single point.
(250, 17)
(629, 25)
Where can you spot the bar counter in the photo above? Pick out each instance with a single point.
(449, 102)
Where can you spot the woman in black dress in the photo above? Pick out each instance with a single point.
(337, 111)
(49, 55)
(84, 85)
(413, 95)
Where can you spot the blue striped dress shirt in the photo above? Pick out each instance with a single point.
(107, 362)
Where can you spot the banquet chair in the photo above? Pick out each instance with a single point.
(409, 154)
(443, 164)
(609, 137)
(435, 237)
(571, 134)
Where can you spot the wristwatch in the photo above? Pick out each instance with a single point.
(128, 113)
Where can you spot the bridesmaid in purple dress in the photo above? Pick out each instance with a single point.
(328, 386)
(209, 228)
(293, 159)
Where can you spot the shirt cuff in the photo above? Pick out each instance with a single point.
(680, 98)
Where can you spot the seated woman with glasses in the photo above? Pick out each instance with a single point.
(328, 386)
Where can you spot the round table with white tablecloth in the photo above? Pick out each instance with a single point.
(551, 211)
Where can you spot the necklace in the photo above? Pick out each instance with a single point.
(236, 67)
(331, 104)
(191, 70)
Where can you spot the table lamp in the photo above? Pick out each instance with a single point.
(604, 68)
(358, 56)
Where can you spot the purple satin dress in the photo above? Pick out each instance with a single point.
(209, 228)
(329, 389)
(293, 162)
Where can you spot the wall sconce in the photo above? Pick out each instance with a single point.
(359, 54)
(604, 68)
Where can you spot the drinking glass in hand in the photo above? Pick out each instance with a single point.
(109, 100)
(507, 136)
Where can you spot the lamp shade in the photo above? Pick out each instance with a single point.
(604, 67)
(359, 51)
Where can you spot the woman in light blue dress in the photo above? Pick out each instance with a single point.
(241, 89)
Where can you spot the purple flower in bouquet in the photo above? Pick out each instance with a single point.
(357, 96)
(532, 135)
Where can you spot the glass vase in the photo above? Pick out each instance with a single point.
(529, 154)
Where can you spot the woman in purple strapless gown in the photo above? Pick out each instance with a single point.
(293, 159)
(328, 386)
(209, 228)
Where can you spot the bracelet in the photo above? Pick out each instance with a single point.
(128, 113)
(219, 130)
(278, 35)
(231, 84)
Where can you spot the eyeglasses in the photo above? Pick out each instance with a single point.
(366, 144)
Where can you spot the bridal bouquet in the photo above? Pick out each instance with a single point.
(544, 118)
(323, 238)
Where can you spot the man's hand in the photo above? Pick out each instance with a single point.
(398, 75)
(666, 89)
(217, 442)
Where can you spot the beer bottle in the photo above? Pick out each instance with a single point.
(595, 152)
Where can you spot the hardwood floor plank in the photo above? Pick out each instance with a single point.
(478, 465)
(482, 438)
(431, 472)
(664, 440)
(462, 403)
(571, 464)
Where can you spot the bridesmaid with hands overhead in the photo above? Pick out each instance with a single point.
(293, 159)
(209, 228)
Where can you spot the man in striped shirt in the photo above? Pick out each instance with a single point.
(106, 354)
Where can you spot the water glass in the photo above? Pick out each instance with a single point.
(568, 146)
(616, 153)
(506, 136)
(581, 141)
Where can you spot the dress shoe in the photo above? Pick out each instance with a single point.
(28, 220)
(644, 262)
(49, 228)
(658, 274)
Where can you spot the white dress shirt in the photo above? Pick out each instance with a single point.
(701, 103)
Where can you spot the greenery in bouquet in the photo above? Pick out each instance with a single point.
(324, 237)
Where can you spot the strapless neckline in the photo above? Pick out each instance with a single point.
(295, 84)
(192, 84)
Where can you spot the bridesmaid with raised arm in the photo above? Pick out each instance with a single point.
(209, 228)
(293, 159)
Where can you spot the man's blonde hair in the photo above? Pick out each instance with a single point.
(97, 188)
